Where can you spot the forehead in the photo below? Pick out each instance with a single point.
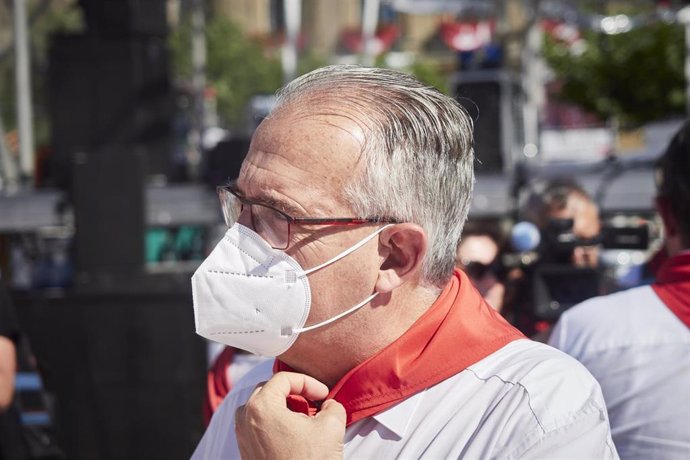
(302, 160)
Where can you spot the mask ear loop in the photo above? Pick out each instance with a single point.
(346, 252)
(290, 331)
(287, 331)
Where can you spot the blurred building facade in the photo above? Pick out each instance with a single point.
(327, 24)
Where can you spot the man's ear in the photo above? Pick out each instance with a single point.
(663, 207)
(402, 247)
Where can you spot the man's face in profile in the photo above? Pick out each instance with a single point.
(298, 163)
(586, 226)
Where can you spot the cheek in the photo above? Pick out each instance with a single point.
(343, 284)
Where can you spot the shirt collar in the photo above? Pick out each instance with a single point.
(397, 418)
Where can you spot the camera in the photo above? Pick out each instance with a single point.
(547, 281)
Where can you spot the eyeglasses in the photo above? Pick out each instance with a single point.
(273, 225)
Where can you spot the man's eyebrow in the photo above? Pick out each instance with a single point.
(278, 204)
(268, 200)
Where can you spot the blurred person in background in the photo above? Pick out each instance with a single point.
(12, 445)
(561, 200)
(478, 255)
(8, 352)
(637, 342)
(226, 370)
(384, 349)
(566, 269)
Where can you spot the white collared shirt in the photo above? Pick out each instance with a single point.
(639, 351)
(526, 400)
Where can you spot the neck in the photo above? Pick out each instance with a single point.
(329, 354)
(674, 247)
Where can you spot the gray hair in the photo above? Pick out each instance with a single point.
(418, 156)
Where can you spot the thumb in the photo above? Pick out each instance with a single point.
(332, 412)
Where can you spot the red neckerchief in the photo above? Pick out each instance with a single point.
(458, 330)
(673, 286)
(218, 383)
(656, 262)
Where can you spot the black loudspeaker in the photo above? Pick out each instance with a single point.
(223, 162)
(125, 17)
(109, 92)
(489, 98)
(108, 197)
(125, 368)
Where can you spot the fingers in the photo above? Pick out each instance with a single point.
(332, 409)
(266, 429)
(329, 423)
(283, 384)
(241, 411)
(257, 389)
(273, 394)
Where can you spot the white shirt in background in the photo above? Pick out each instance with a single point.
(639, 351)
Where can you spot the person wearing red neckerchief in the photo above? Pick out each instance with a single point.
(228, 367)
(636, 343)
(479, 256)
(347, 210)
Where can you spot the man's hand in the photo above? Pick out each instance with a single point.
(267, 429)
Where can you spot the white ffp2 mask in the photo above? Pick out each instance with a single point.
(253, 297)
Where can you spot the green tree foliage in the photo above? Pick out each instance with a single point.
(634, 77)
(427, 70)
(236, 67)
(46, 17)
(430, 72)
